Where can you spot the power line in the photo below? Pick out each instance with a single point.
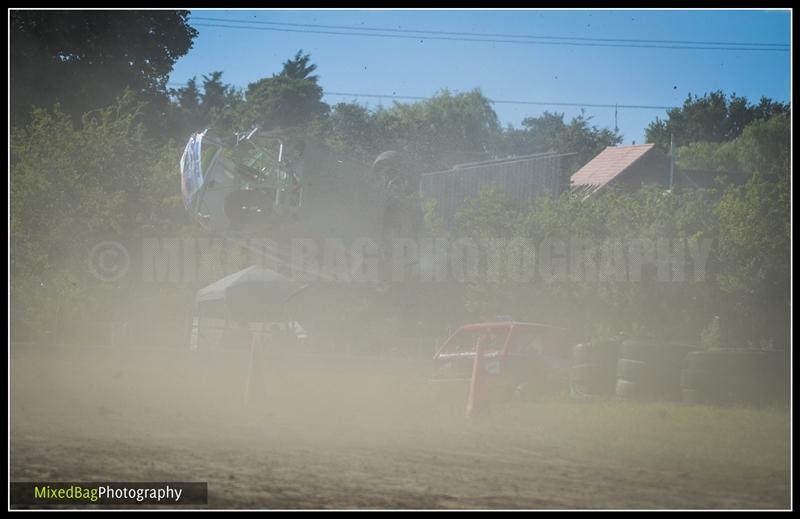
(485, 40)
(508, 101)
(493, 101)
(502, 35)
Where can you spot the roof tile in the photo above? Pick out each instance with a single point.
(608, 165)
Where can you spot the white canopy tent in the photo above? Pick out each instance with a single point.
(255, 294)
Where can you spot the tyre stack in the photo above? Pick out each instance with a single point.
(650, 370)
(777, 375)
(593, 370)
(728, 376)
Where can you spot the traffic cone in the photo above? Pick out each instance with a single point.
(255, 377)
(478, 401)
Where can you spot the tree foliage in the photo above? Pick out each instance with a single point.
(762, 148)
(281, 102)
(84, 60)
(299, 67)
(714, 117)
(549, 132)
(445, 122)
(73, 186)
(426, 131)
(351, 128)
(753, 242)
(218, 105)
(746, 279)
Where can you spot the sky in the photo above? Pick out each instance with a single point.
(418, 65)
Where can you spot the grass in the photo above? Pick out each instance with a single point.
(693, 438)
(683, 437)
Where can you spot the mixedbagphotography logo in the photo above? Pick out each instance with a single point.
(109, 261)
(174, 260)
(33, 493)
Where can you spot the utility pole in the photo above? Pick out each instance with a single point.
(671, 161)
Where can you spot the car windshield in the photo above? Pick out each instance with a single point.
(527, 341)
(465, 341)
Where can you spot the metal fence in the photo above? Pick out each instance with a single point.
(518, 180)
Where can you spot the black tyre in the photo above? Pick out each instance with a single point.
(674, 355)
(586, 379)
(629, 390)
(694, 379)
(726, 359)
(691, 396)
(635, 371)
(644, 351)
(738, 376)
(679, 349)
(599, 352)
(586, 372)
(776, 371)
(587, 354)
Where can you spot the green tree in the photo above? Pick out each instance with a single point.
(283, 102)
(549, 132)
(84, 60)
(710, 118)
(186, 114)
(765, 147)
(73, 186)
(218, 105)
(754, 253)
(215, 92)
(299, 67)
(762, 148)
(188, 97)
(291, 98)
(351, 128)
(444, 123)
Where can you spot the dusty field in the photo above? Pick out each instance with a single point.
(369, 435)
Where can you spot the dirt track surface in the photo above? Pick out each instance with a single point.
(329, 434)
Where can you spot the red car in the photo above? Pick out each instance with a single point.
(520, 357)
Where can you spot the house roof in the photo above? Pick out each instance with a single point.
(606, 166)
